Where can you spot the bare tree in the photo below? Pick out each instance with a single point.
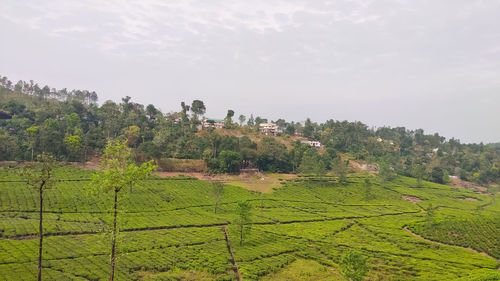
(217, 193)
(40, 176)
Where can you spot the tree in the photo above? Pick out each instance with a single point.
(340, 168)
(311, 163)
(151, 111)
(385, 172)
(117, 172)
(198, 107)
(73, 144)
(308, 129)
(229, 118)
(429, 216)
(419, 173)
(251, 121)
(353, 265)
(243, 220)
(438, 175)
(367, 189)
(32, 136)
(40, 177)
(72, 122)
(242, 119)
(273, 156)
(217, 193)
(229, 161)
(132, 134)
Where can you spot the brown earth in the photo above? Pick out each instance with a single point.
(455, 181)
(363, 166)
(413, 199)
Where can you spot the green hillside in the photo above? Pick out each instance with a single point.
(301, 230)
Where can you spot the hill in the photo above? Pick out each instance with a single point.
(73, 127)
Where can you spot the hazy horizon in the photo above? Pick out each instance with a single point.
(430, 65)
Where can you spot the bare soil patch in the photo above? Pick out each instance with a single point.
(363, 166)
(455, 181)
(413, 199)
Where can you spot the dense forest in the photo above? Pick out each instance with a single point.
(71, 125)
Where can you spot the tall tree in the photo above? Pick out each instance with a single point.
(217, 193)
(198, 107)
(340, 168)
(251, 121)
(40, 176)
(419, 173)
(228, 121)
(32, 137)
(386, 172)
(308, 129)
(242, 119)
(243, 219)
(367, 189)
(117, 172)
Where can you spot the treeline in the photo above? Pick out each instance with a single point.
(72, 126)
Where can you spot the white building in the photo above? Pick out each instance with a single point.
(314, 143)
(212, 123)
(269, 129)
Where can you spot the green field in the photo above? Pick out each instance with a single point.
(299, 232)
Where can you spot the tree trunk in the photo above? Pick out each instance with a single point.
(40, 244)
(241, 235)
(113, 243)
(32, 152)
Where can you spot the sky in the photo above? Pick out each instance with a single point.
(424, 64)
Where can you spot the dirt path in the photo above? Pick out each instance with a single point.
(450, 245)
(233, 260)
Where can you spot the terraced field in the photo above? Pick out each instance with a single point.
(299, 232)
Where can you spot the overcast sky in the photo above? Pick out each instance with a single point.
(419, 63)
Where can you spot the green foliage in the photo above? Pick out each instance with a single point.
(62, 114)
(354, 266)
(168, 227)
(243, 219)
(438, 175)
(229, 161)
(273, 156)
(386, 172)
(217, 193)
(340, 169)
(419, 173)
(312, 163)
(117, 170)
(40, 175)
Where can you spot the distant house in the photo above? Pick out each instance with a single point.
(212, 123)
(316, 144)
(269, 129)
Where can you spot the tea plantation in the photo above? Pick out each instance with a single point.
(169, 230)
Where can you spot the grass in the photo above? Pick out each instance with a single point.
(299, 232)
